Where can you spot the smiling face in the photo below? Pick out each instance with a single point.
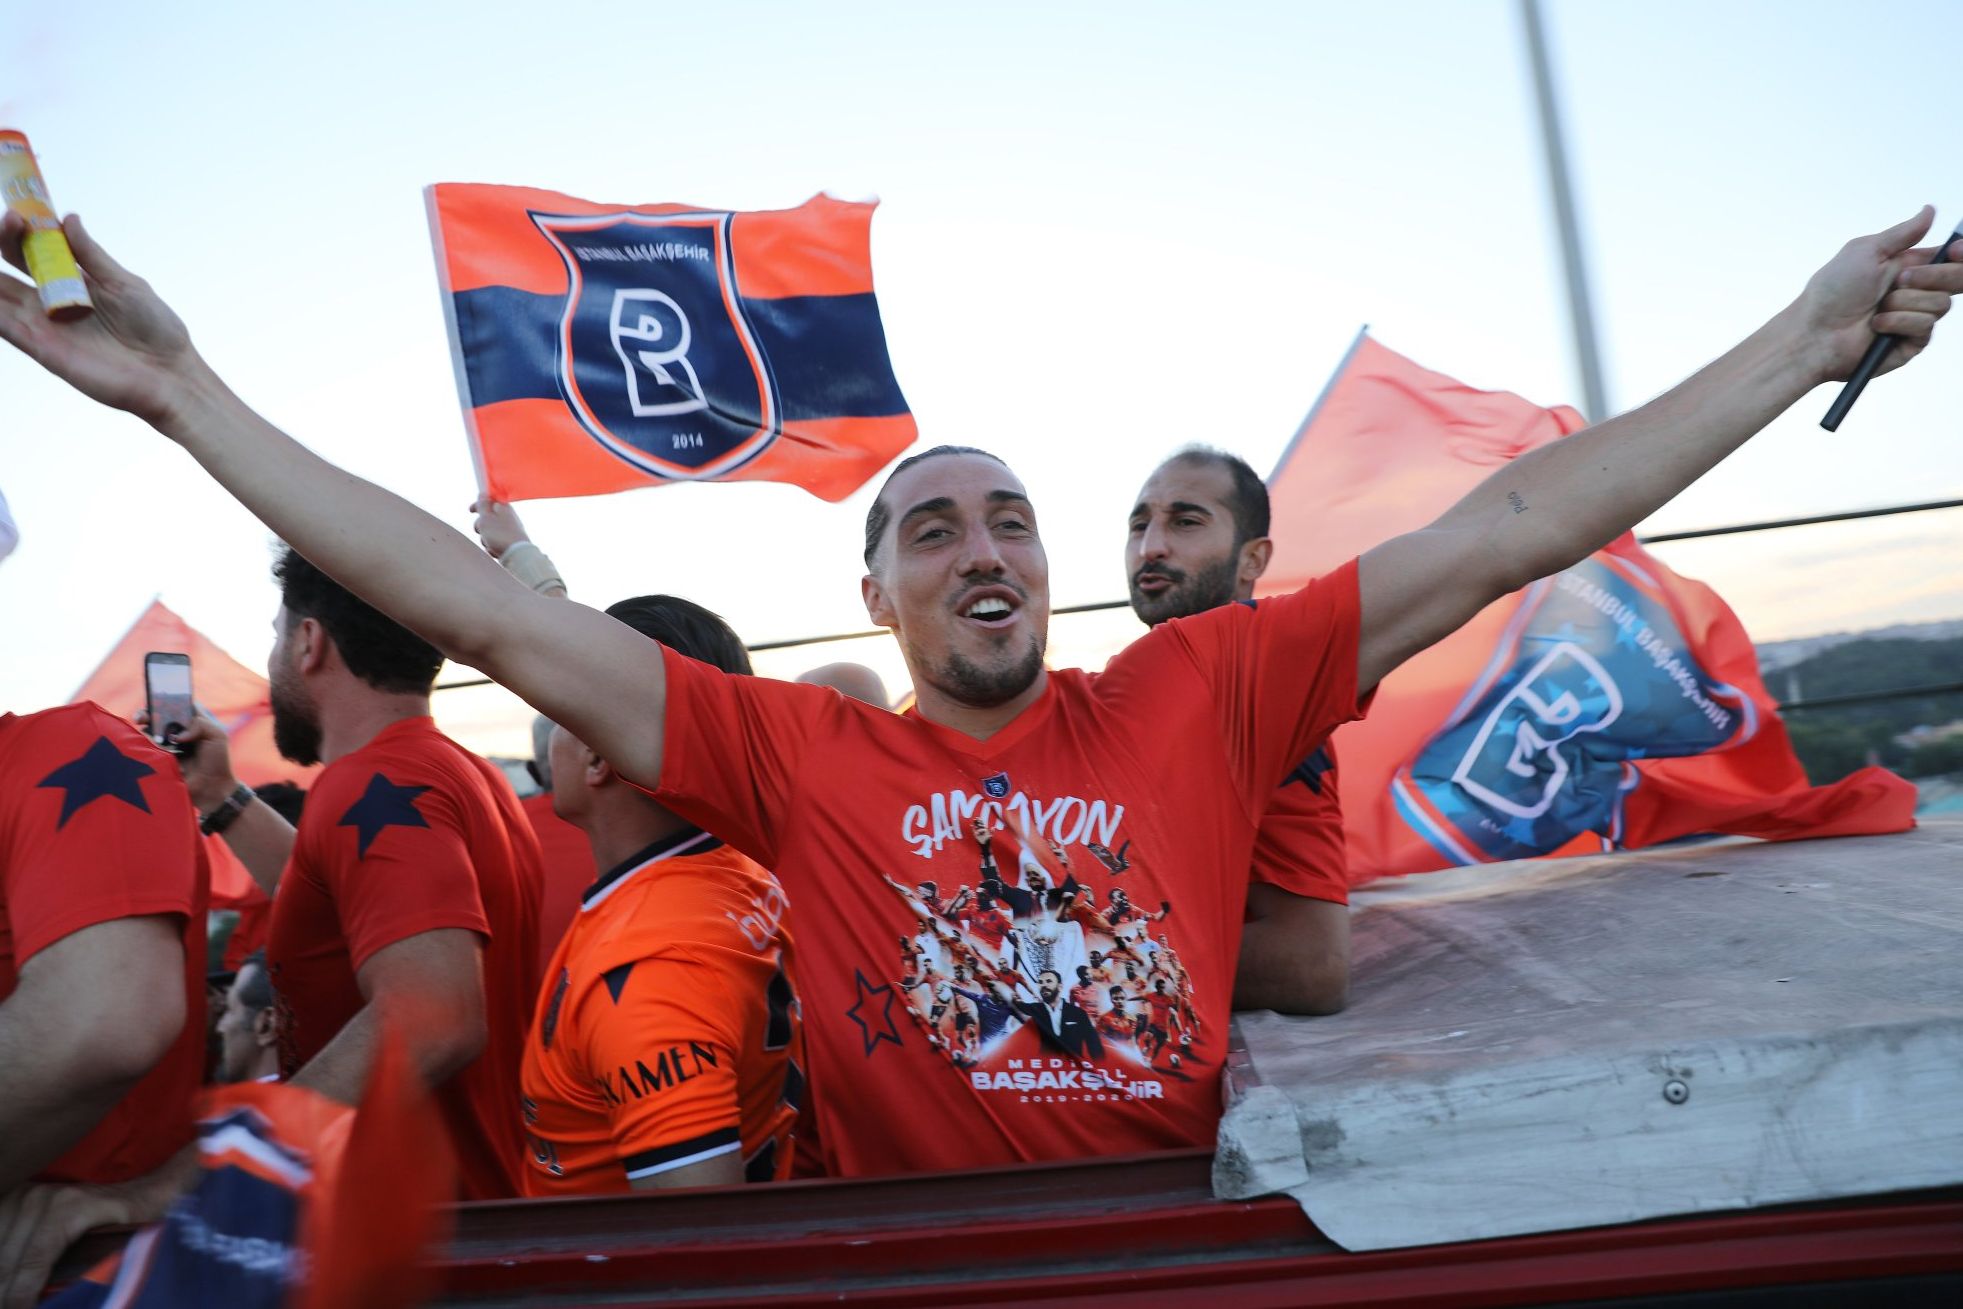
(1183, 552)
(960, 576)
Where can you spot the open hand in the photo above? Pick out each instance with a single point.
(132, 353)
(1839, 306)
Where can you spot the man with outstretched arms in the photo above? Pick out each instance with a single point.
(103, 891)
(1198, 539)
(410, 887)
(1171, 755)
(665, 1050)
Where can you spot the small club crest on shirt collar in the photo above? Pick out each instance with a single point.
(997, 786)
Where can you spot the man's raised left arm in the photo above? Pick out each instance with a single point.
(1552, 507)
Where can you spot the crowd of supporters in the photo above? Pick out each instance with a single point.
(605, 994)
(1084, 872)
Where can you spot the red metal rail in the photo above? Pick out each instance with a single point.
(1132, 1232)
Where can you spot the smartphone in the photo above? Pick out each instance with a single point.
(167, 691)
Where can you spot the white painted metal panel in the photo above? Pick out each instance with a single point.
(1559, 1044)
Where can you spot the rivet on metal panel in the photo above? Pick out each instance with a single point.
(1675, 1091)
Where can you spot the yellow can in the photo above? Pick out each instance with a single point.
(49, 259)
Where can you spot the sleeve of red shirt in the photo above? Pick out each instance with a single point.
(1282, 674)
(111, 858)
(1299, 846)
(412, 879)
(672, 1019)
(731, 749)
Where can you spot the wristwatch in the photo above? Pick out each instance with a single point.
(227, 812)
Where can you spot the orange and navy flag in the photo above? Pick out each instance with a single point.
(602, 347)
(300, 1203)
(1615, 704)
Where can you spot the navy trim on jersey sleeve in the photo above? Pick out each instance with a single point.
(682, 1153)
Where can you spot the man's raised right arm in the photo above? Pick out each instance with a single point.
(596, 676)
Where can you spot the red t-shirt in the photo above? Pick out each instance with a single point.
(568, 868)
(1300, 845)
(95, 826)
(410, 834)
(1169, 756)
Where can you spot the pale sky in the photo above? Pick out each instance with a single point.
(1106, 230)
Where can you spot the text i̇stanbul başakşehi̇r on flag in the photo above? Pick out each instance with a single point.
(605, 347)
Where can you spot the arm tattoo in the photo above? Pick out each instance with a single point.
(1519, 505)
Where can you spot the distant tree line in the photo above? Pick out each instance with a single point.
(1836, 741)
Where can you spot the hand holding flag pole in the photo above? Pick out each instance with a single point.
(1864, 371)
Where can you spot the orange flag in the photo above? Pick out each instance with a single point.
(1615, 704)
(300, 1203)
(601, 347)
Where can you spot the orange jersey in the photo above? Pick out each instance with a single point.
(668, 1031)
(95, 826)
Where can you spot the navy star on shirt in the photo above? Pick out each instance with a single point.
(383, 805)
(882, 1029)
(101, 770)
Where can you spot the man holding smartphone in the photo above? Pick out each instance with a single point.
(411, 885)
(103, 889)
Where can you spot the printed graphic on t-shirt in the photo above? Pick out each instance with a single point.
(1045, 972)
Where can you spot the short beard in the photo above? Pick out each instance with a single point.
(1189, 594)
(985, 688)
(296, 729)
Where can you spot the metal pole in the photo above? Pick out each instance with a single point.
(1581, 311)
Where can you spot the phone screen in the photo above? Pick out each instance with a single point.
(167, 680)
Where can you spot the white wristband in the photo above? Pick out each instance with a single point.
(532, 566)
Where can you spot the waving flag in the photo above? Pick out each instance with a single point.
(604, 347)
(300, 1203)
(1613, 704)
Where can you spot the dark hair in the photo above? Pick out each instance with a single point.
(287, 799)
(879, 515)
(686, 628)
(1247, 501)
(377, 649)
(256, 992)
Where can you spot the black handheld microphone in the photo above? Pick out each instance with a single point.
(1876, 353)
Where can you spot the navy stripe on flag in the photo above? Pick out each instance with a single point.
(509, 343)
(828, 352)
(829, 355)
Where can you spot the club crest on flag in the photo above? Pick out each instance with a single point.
(1592, 675)
(656, 356)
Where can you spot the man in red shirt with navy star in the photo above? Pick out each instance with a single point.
(411, 886)
(103, 890)
(1167, 759)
